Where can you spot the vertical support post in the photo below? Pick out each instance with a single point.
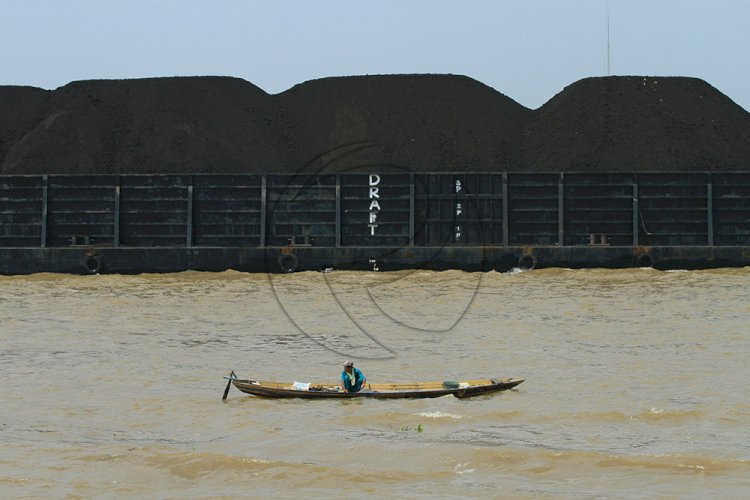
(263, 211)
(338, 210)
(635, 212)
(710, 207)
(505, 210)
(45, 188)
(411, 210)
(116, 235)
(560, 206)
(189, 236)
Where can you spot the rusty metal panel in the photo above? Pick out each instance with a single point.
(731, 208)
(375, 209)
(301, 210)
(153, 210)
(81, 210)
(459, 209)
(673, 209)
(21, 208)
(533, 203)
(598, 209)
(226, 210)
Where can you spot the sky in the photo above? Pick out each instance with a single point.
(528, 50)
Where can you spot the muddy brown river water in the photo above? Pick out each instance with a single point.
(636, 384)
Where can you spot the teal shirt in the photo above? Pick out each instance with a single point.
(358, 378)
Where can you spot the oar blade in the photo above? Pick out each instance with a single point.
(229, 384)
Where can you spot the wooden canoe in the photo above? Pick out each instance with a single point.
(463, 389)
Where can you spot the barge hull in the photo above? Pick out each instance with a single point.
(290, 259)
(373, 221)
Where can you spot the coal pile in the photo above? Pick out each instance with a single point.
(158, 125)
(395, 122)
(411, 122)
(21, 110)
(636, 124)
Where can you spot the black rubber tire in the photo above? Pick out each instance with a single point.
(527, 262)
(644, 260)
(93, 264)
(288, 262)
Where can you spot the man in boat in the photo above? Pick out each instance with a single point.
(352, 379)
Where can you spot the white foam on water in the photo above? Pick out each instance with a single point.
(458, 469)
(438, 414)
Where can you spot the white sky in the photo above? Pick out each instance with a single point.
(528, 50)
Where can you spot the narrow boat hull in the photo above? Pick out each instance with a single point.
(376, 391)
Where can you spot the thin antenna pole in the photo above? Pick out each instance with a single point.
(608, 67)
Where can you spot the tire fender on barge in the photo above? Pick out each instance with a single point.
(288, 262)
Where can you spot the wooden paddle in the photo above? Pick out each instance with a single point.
(232, 376)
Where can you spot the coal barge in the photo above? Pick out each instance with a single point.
(384, 221)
